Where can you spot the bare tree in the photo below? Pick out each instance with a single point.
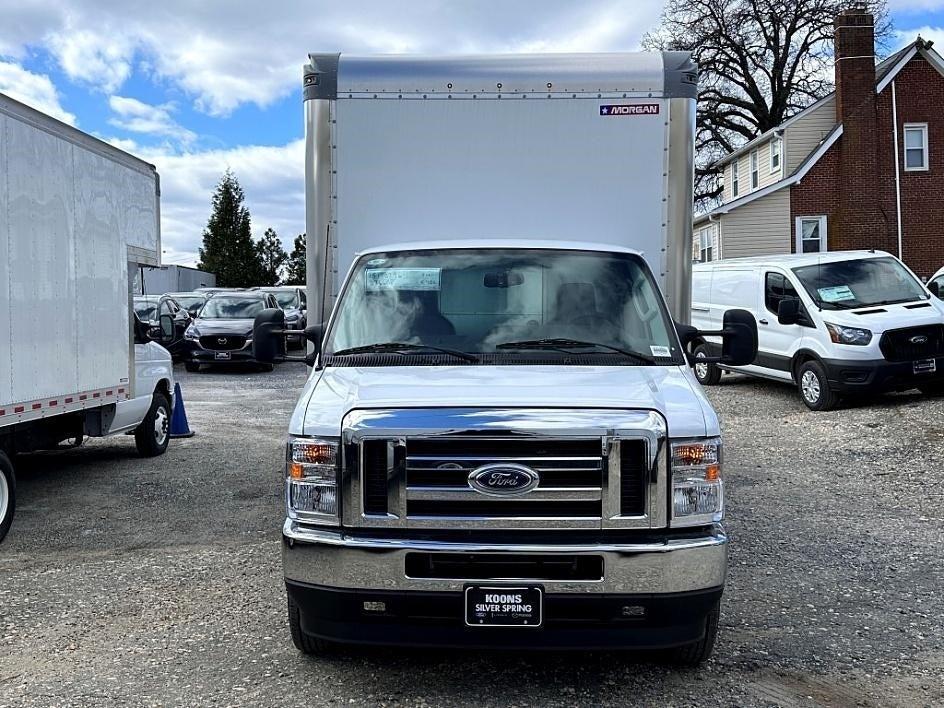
(760, 62)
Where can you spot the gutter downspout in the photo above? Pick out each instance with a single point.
(897, 168)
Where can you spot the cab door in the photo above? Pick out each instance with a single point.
(776, 343)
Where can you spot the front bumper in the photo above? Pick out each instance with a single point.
(200, 355)
(654, 593)
(852, 377)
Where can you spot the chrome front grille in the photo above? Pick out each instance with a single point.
(401, 474)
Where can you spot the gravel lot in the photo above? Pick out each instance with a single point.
(158, 582)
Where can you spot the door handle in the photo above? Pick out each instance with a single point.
(764, 322)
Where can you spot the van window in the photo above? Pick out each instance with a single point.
(776, 289)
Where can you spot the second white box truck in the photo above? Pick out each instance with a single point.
(78, 217)
(501, 442)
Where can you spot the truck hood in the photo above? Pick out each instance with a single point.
(880, 318)
(670, 390)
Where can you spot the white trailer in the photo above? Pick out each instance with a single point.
(591, 148)
(78, 217)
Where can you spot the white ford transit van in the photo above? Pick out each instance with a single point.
(835, 324)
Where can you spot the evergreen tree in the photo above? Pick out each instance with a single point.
(295, 270)
(228, 249)
(271, 256)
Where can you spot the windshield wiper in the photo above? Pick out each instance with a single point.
(403, 348)
(562, 344)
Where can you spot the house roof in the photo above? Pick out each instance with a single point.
(885, 72)
(885, 69)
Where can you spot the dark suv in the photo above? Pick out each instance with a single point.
(222, 331)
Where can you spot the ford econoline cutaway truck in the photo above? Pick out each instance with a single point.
(501, 442)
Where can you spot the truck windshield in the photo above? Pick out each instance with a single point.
(508, 301)
(863, 282)
(231, 308)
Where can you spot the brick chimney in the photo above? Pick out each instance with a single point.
(861, 222)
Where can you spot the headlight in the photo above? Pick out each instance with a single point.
(191, 333)
(848, 335)
(311, 480)
(697, 487)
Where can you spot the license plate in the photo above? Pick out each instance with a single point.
(223, 356)
(924, 366)
(504, 606)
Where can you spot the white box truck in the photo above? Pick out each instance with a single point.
(501, 442)
(78, 217)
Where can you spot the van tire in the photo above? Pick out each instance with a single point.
(814, 388)
(697, 653)
(305, 643)
(153, 434)
(7, 494)
(710, 374)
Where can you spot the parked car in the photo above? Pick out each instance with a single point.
(834, 324)
(149, 309)
(292, 300)
(191, 302)
(936, 284)
(222, 332)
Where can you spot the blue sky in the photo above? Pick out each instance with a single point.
(198, 86)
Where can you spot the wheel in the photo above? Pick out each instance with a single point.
(305, 643)
(698, 653)
(267, 367)
(7, 494)
(707, 374)
(192, 366)
(153, 434)
(814, 387)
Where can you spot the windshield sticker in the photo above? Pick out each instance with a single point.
(836, 293)
(376, 261)
(379, 279)
(659, 351)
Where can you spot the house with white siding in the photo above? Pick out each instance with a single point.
(805, 186)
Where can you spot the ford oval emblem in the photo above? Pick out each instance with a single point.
(919, 339)
(501, 480)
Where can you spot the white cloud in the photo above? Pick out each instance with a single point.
(935, 34)
(227, 54)
(272, 178)
(98, 55)
(35, 90)
(139, 117)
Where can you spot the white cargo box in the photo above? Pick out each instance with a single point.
(76, 215)
(593, 148)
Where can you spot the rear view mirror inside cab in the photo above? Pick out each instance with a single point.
(503, 279)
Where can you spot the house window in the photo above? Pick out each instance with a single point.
(776, 147)
(916, 147)
(735, 184)
(811, 234)
(755, 174)
(705, 246)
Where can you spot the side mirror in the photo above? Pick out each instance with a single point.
(739, 338)
(934, 288)
(788, 311)
(268, 343)
(315, 334)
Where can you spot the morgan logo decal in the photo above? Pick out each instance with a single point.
(501, 480)
(630, 109)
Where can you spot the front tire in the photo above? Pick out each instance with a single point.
(707, 374)
(814, 388)
(153, 434)
(699, 652)
(7, 494)
(305, 643)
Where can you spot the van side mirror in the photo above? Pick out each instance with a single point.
(268, 341)
(315, 334)
(788, 311)
(934, 288)
(739, 338)
(168, 327)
